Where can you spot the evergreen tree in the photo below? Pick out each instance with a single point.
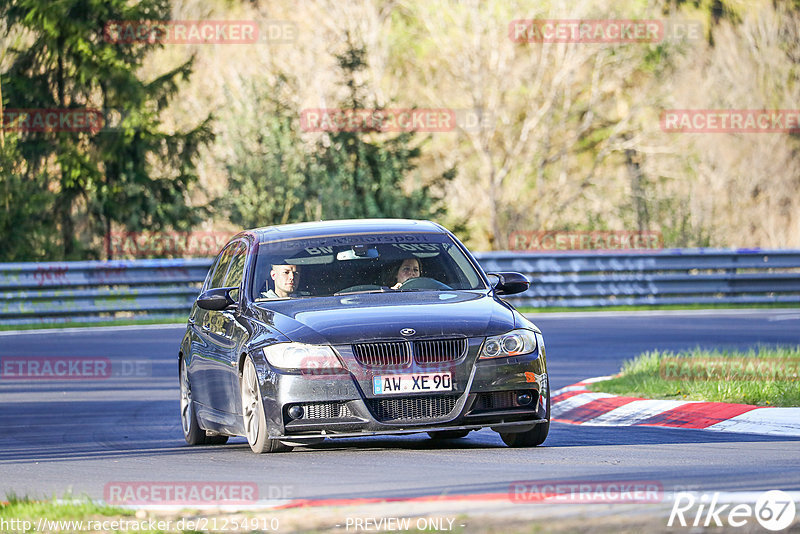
(26, 220)
(133, 174)
(276, 177)
(269, 171)
(365, 172)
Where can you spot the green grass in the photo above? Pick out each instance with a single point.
(529, 309)
(66, 508)
(23, 514)
(112, 322)
(764, 377)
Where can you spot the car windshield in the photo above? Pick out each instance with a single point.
(344, 264)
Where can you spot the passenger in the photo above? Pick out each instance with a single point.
(286, 279)
(404, 270)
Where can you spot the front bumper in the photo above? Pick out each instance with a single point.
(485, 393)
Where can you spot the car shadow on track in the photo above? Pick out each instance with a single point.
(37, 432)
(564, 434)
(561, 435)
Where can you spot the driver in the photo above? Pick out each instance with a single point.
(286, 279)
(405, 270)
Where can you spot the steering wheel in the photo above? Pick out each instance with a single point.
(422, 282)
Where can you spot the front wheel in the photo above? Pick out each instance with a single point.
(255, 422)
(448, 434)
(192, 433)
(532, 437)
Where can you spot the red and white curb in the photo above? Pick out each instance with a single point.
(577, 405)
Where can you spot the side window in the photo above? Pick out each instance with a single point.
(236, 270)
(465, 270)
(223, 262)
(211, 270)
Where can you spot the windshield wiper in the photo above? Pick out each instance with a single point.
(410, 290)
(359, 291)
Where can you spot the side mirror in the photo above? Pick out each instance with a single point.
(216, 299)
(509, 283)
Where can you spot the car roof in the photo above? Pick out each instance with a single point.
(346, 226)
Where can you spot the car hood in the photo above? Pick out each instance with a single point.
(371, 316)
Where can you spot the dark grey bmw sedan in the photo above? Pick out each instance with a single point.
(356, 328)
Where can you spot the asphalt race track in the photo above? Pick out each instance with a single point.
(80, 435)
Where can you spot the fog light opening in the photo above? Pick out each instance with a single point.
(524, 399)
(296, 412)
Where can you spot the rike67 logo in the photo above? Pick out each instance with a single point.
(774, 510)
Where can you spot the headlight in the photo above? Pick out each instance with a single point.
(513, 343)
(301, 356)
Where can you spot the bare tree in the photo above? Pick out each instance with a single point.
(553, 109)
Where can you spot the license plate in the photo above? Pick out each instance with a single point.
(413, 383)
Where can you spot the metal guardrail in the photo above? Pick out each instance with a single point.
(97, 291)
(91, 291)
(671, 276)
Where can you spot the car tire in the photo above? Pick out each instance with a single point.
(448, 434)
(255, 421)
(532, 437)
(192, 433)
